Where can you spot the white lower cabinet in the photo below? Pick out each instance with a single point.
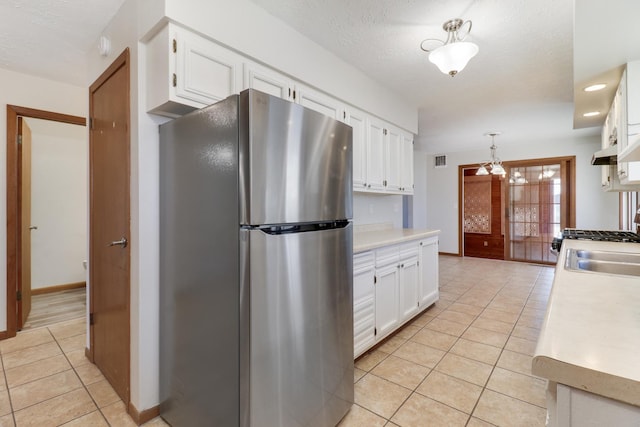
(409, 279)
(428, 290)
(387, 281)
(391, 285)
(364, 321)
(571, 407)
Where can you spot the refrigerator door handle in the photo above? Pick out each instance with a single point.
(302, 228)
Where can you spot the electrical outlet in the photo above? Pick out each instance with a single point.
(486, 243)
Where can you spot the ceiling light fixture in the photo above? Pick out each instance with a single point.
(453, 54)
(591, 114)
(595, 87)
(494, 166)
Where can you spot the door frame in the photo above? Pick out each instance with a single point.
(568, 192)
(14, 203)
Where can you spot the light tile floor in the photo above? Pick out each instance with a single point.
(47, 381)
(467, 360)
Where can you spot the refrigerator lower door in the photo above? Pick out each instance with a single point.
(296, 313)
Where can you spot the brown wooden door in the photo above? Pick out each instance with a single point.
(109, 261)
(24, 284)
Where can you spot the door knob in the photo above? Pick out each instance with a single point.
(122, 242)
(33, 227)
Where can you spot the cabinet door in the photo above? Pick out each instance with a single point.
(319, 102)
(428, 288)
(267, 81)
(205, 72)
(358, 122)
(363, 303)
(409, 279)
(632, 98)
(392, 158)
(406, 168)
(376, 155)
(387, 295)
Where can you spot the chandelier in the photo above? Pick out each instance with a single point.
(493, 166)
(453, 54)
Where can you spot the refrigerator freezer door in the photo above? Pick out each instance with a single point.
(297, 322)
(295, 163)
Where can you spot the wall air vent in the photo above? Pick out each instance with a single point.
(440, 161)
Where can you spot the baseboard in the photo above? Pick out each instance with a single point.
(144, 416)
(88, 354)
(4, 335)
(448, 254)
(57, 288)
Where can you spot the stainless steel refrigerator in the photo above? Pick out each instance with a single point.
(256, 318)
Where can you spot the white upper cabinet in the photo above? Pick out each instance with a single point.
(358, 122)
(318, 101)
(267, 80)
(392, 158)
(389, 159)
(186, 71)
(406, 165)
(630, 84)
(623, 117)
(376, 148)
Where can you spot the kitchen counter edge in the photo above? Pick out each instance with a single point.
(577, 346)
(367, 240)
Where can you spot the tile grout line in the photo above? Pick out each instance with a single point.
(502, 351)
(6, 383)
(84, 386)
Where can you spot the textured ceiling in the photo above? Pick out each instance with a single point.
(50, 38)
(520, 83)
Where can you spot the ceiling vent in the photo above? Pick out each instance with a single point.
(441, 161)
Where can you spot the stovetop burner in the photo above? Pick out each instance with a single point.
(596, 235)
(601, 235)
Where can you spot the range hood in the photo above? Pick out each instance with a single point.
(608, 156)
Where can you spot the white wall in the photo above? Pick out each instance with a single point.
(58, 203)
(27, 91)
(377, 209)
(439, 204)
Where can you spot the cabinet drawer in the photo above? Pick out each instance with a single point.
(363, 260)
(363, 309)
(409, 249)
(387, 255)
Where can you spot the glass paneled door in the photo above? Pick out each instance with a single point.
(538, 208)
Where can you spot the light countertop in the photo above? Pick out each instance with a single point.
(367, 237)
(590, 338)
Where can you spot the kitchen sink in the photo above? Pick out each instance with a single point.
(619, 263)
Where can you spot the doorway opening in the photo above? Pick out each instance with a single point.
(516, 215)
(19, 225)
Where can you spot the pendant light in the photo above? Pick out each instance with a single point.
(493, 166)
(453, 54)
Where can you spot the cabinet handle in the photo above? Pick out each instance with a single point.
(175, 80)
